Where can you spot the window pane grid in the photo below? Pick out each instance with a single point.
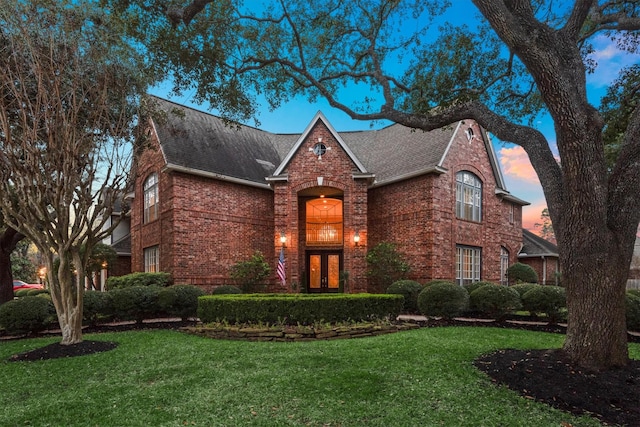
(151, 198)
(468, 196)
(151, 260)
(468, 261)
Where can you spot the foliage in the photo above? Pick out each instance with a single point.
(35, 292)
(72, 94)
(135, 302)
(21, 266)
(443, 299)
(298, 308)
(409, 289)
(226, 289)
(545, 226)
(470, 287)
(433, 282)
(551, 300)
(96, 306)
(160, 279)
(26, 315)
(385, 266)
(250, 274)
(523, 287)
(519, 272)
(632, 306)
(495, 301)
(180, 300)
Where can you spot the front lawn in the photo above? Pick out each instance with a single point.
(421, 377)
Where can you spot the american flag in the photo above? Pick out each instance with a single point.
(282, 274)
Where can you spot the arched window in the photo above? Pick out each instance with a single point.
(151, 198)
(504, 265)
(468, 196)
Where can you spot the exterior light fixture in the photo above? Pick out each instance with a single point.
(356, 238)
(283, 239)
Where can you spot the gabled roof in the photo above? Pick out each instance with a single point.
(534, 246)
(203, 144)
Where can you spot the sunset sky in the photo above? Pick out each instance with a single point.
(520, 177)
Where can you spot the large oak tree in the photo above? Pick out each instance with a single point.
(510, 61)
(70, 91)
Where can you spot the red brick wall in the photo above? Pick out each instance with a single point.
(538, 264)
(423, 224)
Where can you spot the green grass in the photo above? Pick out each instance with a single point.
(164, 378)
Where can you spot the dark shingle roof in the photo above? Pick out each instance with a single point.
(123, 246)
(535, 246)
(198, 141)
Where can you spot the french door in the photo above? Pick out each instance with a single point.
(323, 271)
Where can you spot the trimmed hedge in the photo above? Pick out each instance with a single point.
(409, 289)
(96, 306)
(139, 279)
(135, 303)
(27, 315)
(495, 301)
(520, 272)
(470, 287)
(632, 302)
(523, 288)
(550, 300)
(180, 300)
(443, 299)
(226, 289)
(297, 308)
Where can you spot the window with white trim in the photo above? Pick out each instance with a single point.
(468, 261)
(151, 201)
(504, 265)
(152, 259)
(468, 196)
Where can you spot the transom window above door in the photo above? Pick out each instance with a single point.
(324, 221)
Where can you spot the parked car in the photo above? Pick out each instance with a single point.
(19, 284)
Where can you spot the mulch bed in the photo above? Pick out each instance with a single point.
(612, 396)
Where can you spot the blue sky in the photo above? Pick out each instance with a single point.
(521, 180)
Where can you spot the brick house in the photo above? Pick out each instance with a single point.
(208, 194)
(542, 256)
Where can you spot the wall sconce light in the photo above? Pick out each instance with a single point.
(283, 239)
(356, 238)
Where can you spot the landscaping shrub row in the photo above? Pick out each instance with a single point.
(298, 308)
(440, 298)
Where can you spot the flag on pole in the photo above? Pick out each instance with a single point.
(282, 275)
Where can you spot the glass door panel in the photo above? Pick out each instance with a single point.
(324, 271)
(315, 271)
(333, 271)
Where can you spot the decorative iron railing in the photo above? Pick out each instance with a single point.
(324, 233)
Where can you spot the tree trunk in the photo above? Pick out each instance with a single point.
(596, 333)
(66, 295)
(8, 242)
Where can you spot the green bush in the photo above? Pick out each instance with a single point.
(633, 311)
(139, 279)
(470, 287)
(251, 274)
(443, 299)
(520, 272)
(226, 289)
(21, 293)
(385, 265)
(635, 292)
(35, 292)
(96, 305)
(297, 308)
(523, 288)
(409, 289)
(180, 300)
(550, 300)
(26, 315)
(135, 303)
(433, 282)
(495, 301)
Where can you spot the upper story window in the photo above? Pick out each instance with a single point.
(468, 196)
(151, 198)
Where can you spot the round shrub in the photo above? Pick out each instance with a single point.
(96, 305)
(34, 292)
(523, 288)
(443, 299)
(470, 287)
(551, 300)
(633, 311)
(495, 301)
(226, 289)
(21, 293)
(520, 272)
(159, 279)
(26, 315)
(409, 289)
(180, 300)
(135, 303)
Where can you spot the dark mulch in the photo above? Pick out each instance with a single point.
(547, 376)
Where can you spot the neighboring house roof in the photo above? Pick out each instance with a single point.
(534, 246)
(123, 246)
(201, 143)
